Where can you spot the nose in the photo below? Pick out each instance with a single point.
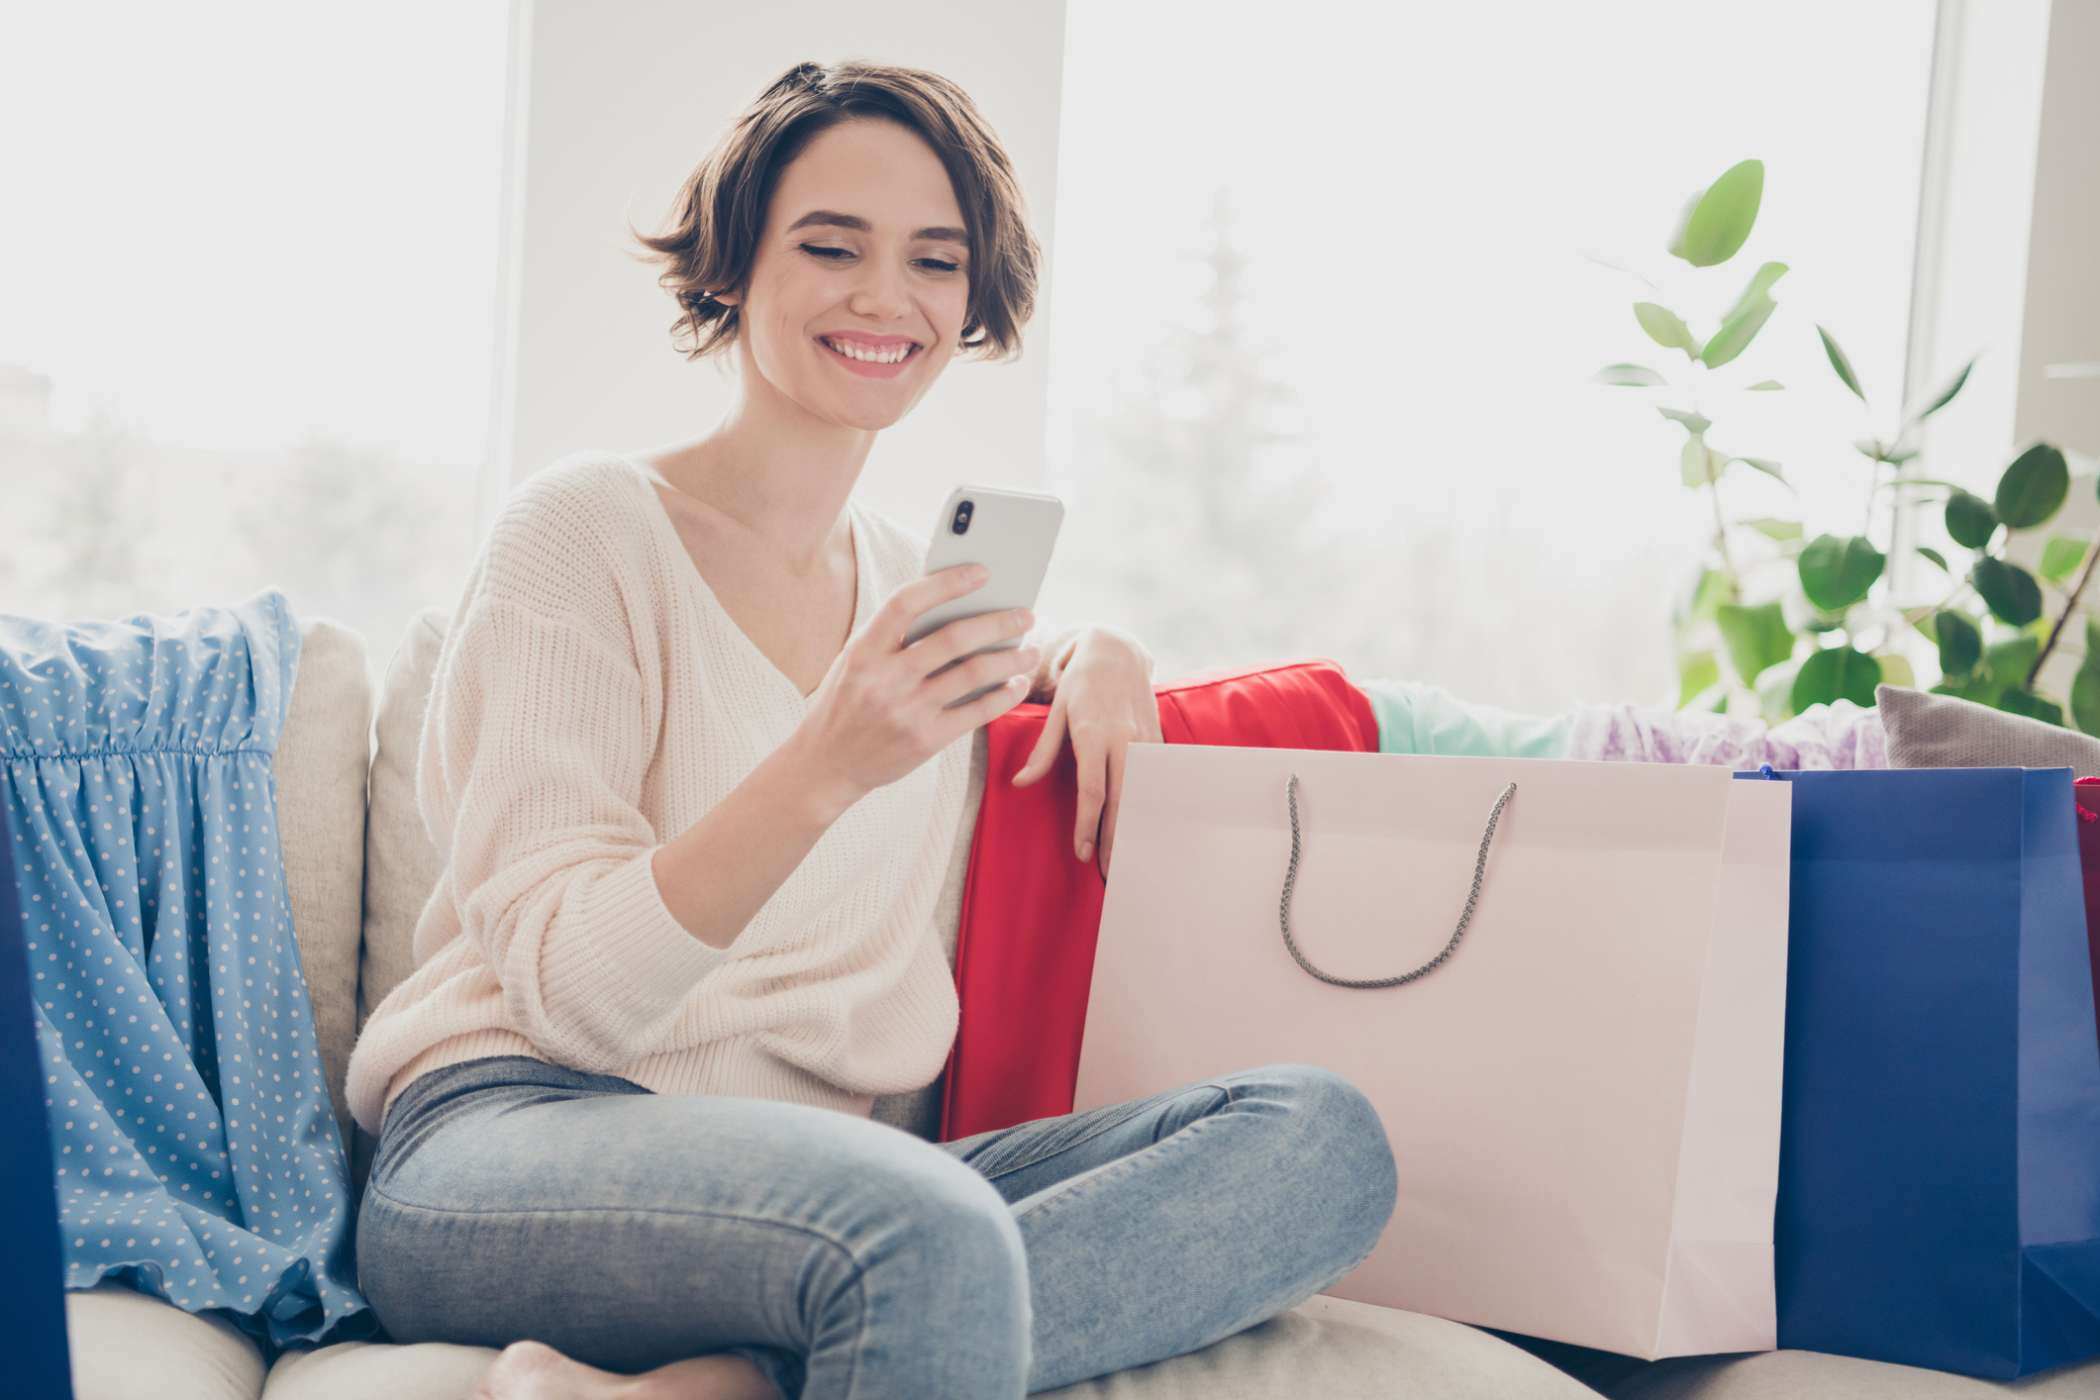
(880, 295)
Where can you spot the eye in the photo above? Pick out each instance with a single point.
(829, 254)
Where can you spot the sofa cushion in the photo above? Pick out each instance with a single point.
(322, 756)
(1327, 1347)
(127, 1344)
(1943, 731)
(402, 863)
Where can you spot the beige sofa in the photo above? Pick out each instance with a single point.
(359, 867)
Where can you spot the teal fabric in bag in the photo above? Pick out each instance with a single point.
(1423, 719)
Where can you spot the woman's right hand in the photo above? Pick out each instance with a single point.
(878, 713)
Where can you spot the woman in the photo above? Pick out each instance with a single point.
(622, 1103)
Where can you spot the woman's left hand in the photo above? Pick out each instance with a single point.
(1104, 697)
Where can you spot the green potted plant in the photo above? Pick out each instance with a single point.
(1774, 622)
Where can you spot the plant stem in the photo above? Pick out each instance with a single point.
(1912, 616)
(2092, 557)
(1713, 495)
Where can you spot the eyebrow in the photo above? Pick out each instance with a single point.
(854, 221)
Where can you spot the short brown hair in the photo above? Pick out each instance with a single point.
(721, 210)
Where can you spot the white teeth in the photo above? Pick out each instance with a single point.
(872, 357)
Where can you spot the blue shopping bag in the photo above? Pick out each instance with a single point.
(1939, 1160)
(32, 1298)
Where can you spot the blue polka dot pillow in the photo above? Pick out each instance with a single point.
(194, 1146)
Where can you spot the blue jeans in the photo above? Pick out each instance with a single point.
(512, 1198)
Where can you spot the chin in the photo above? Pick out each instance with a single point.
(871, 422)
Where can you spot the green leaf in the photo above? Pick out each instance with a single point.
(1946, 395)
(1665, 327)
(1716, 225)
(2026, 702)
(1698, 464)
(1839, 363)
(1978, 688)
(1736, 333)
(1970, 520)
(1693, 422)
(1838, 673)
(1707, 595)
(1836, 572)
(2033, 487)
(1768, 467)
(2008, 590)
(1775, 691)
(2061, 557)
(1696, 674)
(1767, 384)
(1755, 290)
(1931, 555)
(1757, 637)
(1901, 455)
(2085, 696)
(1895, 670)
(1961, 645)
(1775, 529)
(1633, 376)
(1872, 447)
(2009, 661)
(2092, 640)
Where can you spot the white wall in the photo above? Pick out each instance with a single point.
(2062, 322)
(616, 105)
(1972, 278)
(2010, 219)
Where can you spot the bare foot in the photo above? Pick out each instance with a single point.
(718, 1376)
(530, 1370)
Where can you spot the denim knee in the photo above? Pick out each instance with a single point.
(948, 1223)
(1345, 1138)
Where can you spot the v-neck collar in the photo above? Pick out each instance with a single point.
(667, 535)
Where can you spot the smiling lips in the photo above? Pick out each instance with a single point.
(869, 369)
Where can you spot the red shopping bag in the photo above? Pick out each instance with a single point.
(1024, 950)
(2089, 863)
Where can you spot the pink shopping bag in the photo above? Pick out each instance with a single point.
(1583, 1095)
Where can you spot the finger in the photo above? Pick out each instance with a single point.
(1116, 755)
(1046, 745)
(1091, 763)
(968, 676)
(967, 636)
(989, 706)
(903, 608)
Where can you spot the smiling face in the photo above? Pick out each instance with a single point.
(905, 275)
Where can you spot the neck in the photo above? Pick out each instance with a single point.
(783, 476)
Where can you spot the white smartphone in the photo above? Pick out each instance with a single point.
(1009, 532)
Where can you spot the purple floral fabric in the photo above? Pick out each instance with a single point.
(1828, 736)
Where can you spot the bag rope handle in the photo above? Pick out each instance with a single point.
(1465, 916)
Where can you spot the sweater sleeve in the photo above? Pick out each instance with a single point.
(531, 762)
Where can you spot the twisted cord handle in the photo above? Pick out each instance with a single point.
(1465, 916)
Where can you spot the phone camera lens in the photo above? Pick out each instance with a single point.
(961, 523)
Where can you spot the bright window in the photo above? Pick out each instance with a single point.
(249, 278)
(1403, 198)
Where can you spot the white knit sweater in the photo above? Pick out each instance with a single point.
(592, 700)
